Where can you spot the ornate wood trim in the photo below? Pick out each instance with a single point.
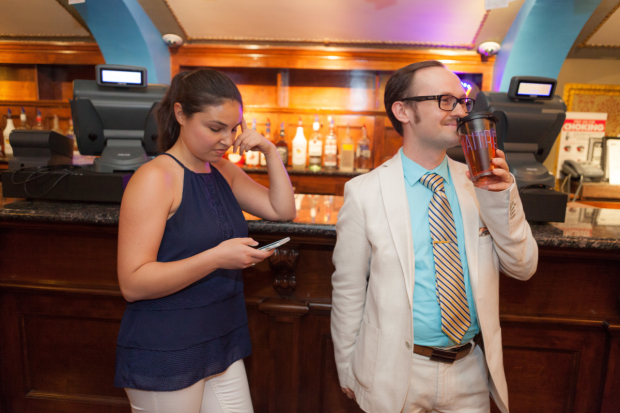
(330, 58)
(571, 89)
(596, 29)
(69, 53)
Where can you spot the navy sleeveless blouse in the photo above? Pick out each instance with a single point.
(170, 343)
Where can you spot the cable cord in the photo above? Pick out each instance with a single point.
(41, 172)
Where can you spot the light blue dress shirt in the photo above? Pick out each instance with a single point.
(426, 310)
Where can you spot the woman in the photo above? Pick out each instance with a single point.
(181, 248)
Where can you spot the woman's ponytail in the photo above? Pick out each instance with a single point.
(168, 127)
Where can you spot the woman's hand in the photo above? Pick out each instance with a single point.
(250, 140)
(237, 254)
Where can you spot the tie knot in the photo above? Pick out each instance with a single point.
(432, 181)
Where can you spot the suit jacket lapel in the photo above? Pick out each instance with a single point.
(392, 181)
(469, 211)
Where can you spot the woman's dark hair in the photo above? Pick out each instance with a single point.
(194, 91)
(400, 85)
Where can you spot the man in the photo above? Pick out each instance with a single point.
(418, 256)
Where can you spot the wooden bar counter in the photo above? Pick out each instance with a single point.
(60, 310)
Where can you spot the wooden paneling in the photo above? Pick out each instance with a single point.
(56, 82)
(567, 360)
(60, 309)
(326, 58)
(59, 53)
(18, 82)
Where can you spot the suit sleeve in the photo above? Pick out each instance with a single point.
(502, 213)
(351, 259)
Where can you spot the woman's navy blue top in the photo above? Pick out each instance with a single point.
(172, 342)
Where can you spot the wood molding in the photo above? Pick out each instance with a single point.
(68, 53)
(59, 397)
(572, 89)
(327, 58)
(596, 29)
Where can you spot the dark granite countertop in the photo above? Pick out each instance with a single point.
(585, 227)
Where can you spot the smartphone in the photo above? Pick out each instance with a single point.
(274, 245)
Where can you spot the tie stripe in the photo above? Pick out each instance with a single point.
(450, 282)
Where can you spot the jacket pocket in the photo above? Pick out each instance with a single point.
(365, 355)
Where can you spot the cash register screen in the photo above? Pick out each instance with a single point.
(534, 89)
(121, 76)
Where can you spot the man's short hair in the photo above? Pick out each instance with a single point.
(399, 86)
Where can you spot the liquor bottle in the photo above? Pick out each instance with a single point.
(363, 162)
(263, 161)
(56, 126)
(347, 152)
(39, 123)
(71, 134)
(330, 160)
(315, 147)
(282, 146)
(8, 150)
(300, 147)
(251, 157)
(23, 121)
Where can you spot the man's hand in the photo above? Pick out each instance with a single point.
(501, 170)
(348, 392)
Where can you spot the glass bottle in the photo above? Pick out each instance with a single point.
(315, 147)
(8, 150)
(282, 146)
(56, 126)
(363, 161)
(71, 134)
(347, 152)
(300, 147)
(23, 121)
(263, 161)
(251, 157)
(330, 158)
(39, 122)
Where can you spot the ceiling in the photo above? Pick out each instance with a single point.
(440, 24)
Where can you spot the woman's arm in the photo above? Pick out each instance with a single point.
(144, 210)
(276, 203)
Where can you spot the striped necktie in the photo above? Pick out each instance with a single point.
(450, 281)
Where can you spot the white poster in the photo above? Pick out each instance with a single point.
(613, 161)
(580, 138)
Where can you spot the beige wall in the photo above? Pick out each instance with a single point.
(589, 71)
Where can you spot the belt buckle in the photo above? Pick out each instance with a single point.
(443, 356)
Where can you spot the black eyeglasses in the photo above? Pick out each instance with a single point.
(446, 102)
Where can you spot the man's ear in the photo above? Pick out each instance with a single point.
(178, 113)
(400, 112)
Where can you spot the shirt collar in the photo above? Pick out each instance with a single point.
(413, 172)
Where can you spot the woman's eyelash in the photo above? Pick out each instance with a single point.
(215, 130)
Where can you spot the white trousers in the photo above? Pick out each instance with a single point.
(227, 392)
(461, 387)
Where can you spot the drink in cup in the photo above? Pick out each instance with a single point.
(479, 141)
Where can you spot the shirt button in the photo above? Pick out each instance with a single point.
(408, 345)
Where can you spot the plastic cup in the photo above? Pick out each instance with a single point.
(479, 141)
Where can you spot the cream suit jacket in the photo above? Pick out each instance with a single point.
(372, 299)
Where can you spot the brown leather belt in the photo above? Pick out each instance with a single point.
(447, 356)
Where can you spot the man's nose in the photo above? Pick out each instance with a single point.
(459, 111)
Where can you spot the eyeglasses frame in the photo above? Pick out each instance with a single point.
(438, 99)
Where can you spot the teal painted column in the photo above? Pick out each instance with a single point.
(540, 38)
(127, 36)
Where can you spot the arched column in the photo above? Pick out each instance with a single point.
(540, 38)
(127, 36)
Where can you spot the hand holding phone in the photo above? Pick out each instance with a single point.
(274, 245)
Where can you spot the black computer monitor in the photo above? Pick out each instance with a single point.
(116, 122)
